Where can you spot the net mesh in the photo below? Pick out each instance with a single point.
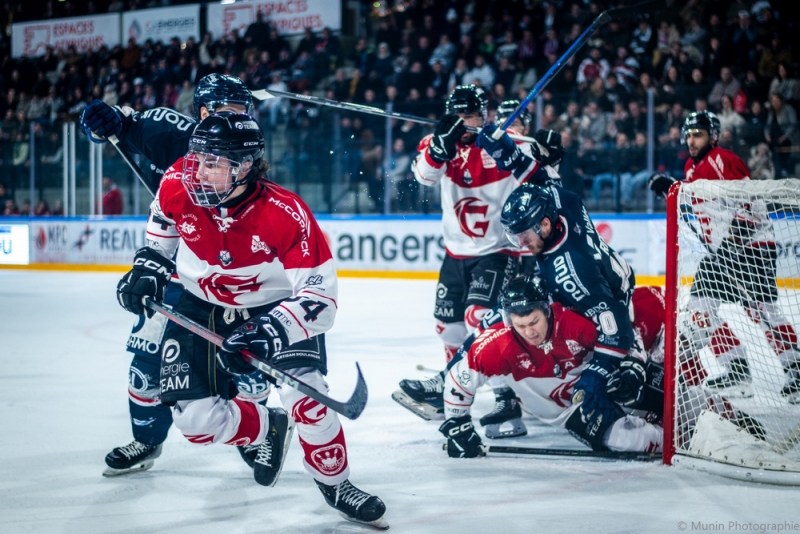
(737, 363)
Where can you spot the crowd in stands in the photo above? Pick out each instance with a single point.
(733, 57)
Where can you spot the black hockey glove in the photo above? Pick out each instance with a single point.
(99, 121)
(626, 384)
(596, 406)
(743, 223)
(660, 184)
(447, 133)
(233, 364)
(148, 278)
(262, 335)
(547, 149)
(462, 440)
(504, 151)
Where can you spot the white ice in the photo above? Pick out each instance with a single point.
(63, 406)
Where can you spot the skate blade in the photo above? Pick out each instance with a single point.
(425, 411)
(286, 443)
(379, 523)
(517, 429)
(143, 466)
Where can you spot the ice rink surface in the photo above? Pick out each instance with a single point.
(63, 406)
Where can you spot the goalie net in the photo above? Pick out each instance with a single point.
(733, 307)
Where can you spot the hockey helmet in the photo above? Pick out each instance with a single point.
(218, 149)
(702, 120)
(507, 108)
(525, 209)
(217, 90)
(467, 99)
(523, 295)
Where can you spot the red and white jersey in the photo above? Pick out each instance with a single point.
(473, 192)
(267, 249)
(715, 215)
(543, 377)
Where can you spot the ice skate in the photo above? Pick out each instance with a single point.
(429, 391)
(506, 410)
(355, 505)
(791, 389)
(736, 383)
(271, 453)
(131, 458)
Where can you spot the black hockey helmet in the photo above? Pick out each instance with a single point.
(522, 295)
(507, 108)
(525, 208)
(467, 99)
(702, 120)
(217, 90)
(220, 145)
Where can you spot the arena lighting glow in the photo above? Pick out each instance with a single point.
(226, 2)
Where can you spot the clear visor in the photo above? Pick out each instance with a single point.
(209, 179)
(522, 239)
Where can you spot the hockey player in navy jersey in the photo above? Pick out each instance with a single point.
(257, 269)
(162, 136)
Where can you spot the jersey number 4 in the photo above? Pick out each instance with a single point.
(312, 308)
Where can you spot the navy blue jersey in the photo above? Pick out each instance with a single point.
(581, 271)
(161, 135)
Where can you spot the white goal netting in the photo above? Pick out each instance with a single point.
(733, 264)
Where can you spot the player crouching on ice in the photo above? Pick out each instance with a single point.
(257, 270)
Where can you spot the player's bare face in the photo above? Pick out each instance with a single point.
(696, 141)
(471, 119)
(532, 327)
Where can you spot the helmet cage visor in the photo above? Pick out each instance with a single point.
(209, 179)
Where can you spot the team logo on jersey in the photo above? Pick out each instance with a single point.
(188, 228)
(223, 223)
(547, 346)
(259, 245)
(227, 287)
(471, 215)
(329, 460)
(562, 394)
(441, 291)
(464, 378)
(557, 370)
(308, 411)
(314, 280)
(225, 258)
(467, 177)
(524, 361)
(574, 347)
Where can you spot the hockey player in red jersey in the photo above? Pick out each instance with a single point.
(474, 183)
(735, 234)
(256, 269)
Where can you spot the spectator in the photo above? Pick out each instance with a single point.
(744, 41)
(42, 209)
(643, 40)
(635, 174)
(592, 67)
(481, 74)
(570, 120)
(508, 48)
(755, 122)
(785, 83)
(112, 197)
(760, 163)
(728, 118)
(444, 53)
(10, 208)
(772, 57)
(672, 154)
(3, 194)
(384, 61)
(185, 102)
(404, 185)
(593, 124)
(727, 85)
(781, 133)
(620, 159)
(694, 37)
(277, 106)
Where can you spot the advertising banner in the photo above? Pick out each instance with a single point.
(14, 244)
(32, 38)
(162, 24)
(291, 16)
(97, 242)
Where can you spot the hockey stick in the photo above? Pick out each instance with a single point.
(351, 409)
(571, 453)
(263, 94)
(132, 164)
(604, 17)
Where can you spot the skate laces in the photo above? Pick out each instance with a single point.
(433, 384)
(351, 495)
(265, 453)
(134, 448)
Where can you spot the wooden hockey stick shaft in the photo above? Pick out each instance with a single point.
(351, 408)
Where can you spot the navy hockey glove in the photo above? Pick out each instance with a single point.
(99, 121)
(262, 335)
(148, 278)
(504, 150)
(626, 384)
(462, 440)
(547, 149)
(590, 392)
(233, 364)
(447, 133)
(660, 184)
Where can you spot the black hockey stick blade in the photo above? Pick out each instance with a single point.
(573, 453)
(352, 408)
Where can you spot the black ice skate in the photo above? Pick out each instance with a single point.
(791, 390)
(736, 383)
(506, 410)
(422, 397)
(131, 458)
(355, 505)
(271, 453)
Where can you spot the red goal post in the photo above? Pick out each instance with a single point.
(699, 429)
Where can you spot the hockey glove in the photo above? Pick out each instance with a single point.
(547, 149)
(626, 384)
(660, 184)
(462, 440)
(99, 121)
(743, 224)
(504, 150)
(590, 392)
(447, 133)
(148, 278)
(233, 364)
(262, 335)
